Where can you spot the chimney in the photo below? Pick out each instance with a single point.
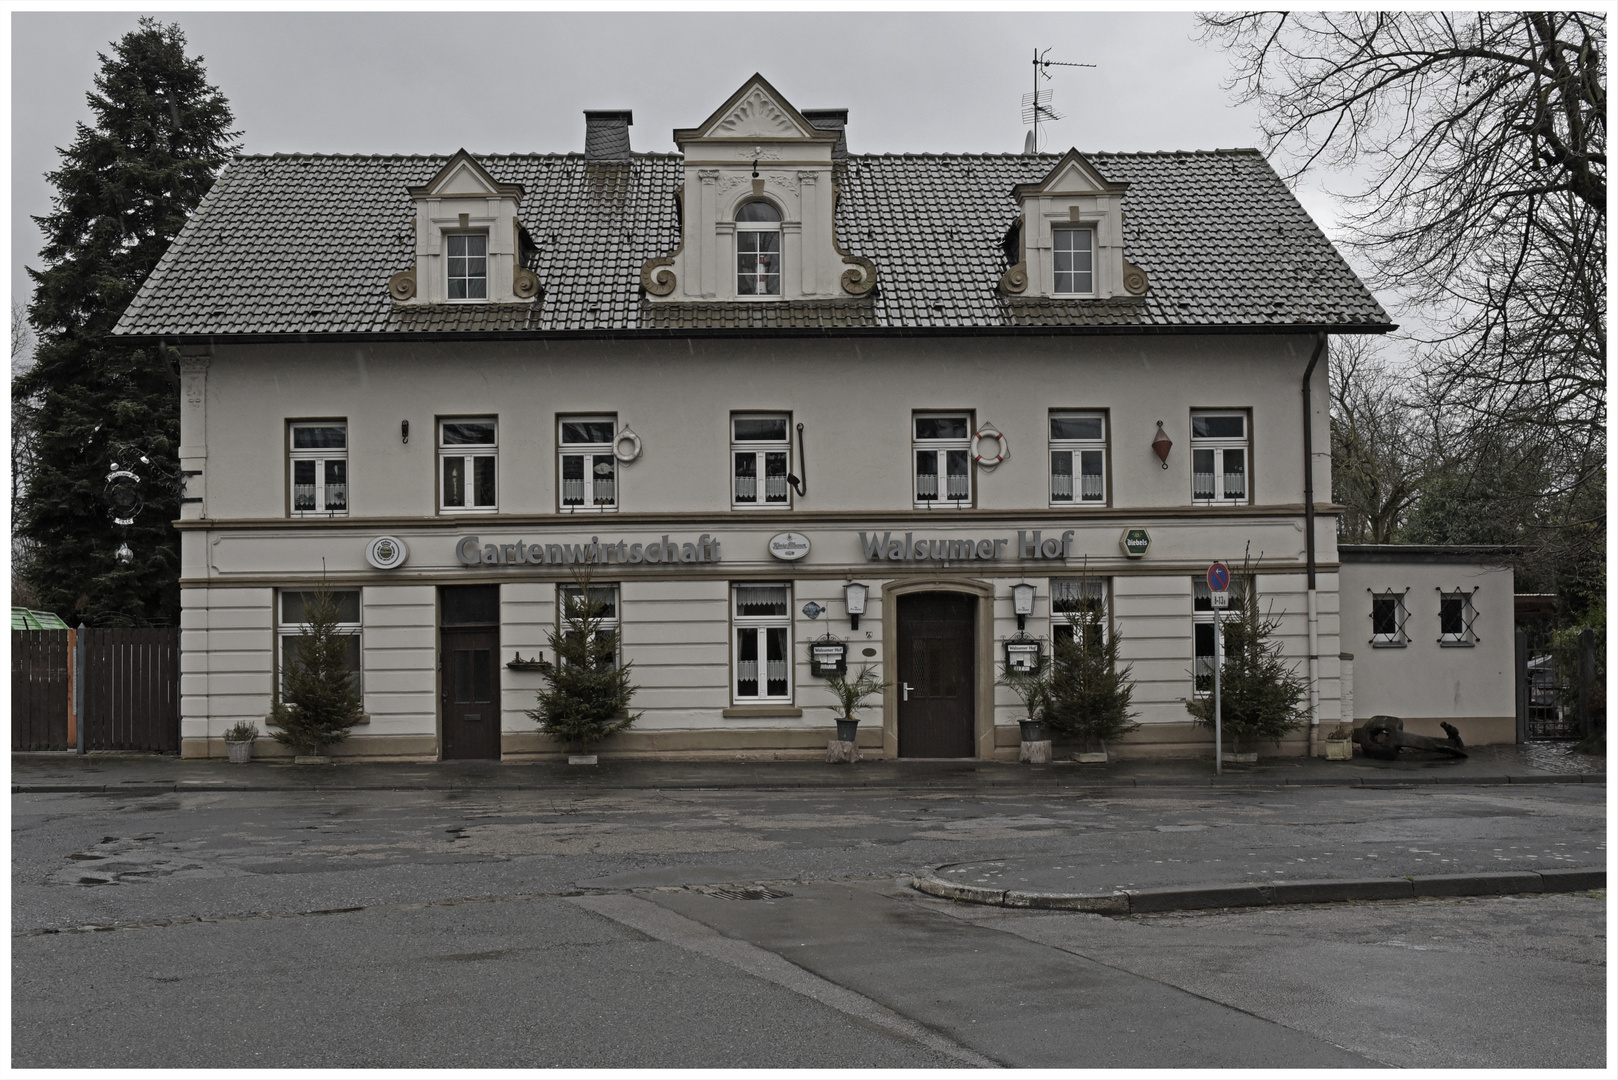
(831, 120)
(606, 135)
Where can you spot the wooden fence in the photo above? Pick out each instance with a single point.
(131, 690)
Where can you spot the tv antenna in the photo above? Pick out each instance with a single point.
(1037, 106)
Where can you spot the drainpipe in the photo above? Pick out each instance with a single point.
(1309, 542)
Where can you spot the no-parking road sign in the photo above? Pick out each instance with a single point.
(1218, 583)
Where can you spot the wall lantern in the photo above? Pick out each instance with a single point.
(1022, 602)
(1162, 445)
(1022, 654)
(854, 597)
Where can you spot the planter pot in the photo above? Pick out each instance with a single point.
(1239, 759)
(1339, 749)
(1098, 757)
(1032, 730)
(240, 752)
(847, 729)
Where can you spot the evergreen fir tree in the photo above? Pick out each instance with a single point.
(1260, 692)
(1089, 692)
(587, 691)
(320, 701)
(124, 189)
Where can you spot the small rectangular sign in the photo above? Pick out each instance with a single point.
(1220, 599)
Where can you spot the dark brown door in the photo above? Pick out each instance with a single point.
(471, 704)
(936, 674)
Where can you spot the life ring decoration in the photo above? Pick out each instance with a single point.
(626, 445)
(1002, 448)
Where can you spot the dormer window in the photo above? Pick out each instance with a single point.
(467, 260)
(758, 250)
(1073, 260)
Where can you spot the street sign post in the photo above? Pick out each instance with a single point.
(1219, 596)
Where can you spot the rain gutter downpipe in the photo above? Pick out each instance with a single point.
(1309, 542)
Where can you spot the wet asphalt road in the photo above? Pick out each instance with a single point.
(501, 928)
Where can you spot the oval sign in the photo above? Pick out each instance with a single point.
(386, 552)
(789, 546)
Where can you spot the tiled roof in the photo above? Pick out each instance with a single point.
(305, 244)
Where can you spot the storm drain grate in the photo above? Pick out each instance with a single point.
(746, 892)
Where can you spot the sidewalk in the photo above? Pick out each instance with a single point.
(91, 773)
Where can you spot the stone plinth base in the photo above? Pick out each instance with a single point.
(1036, 753)
(839, 751)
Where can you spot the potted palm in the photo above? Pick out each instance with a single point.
(851, 695)
(239, 741)
(1032, 685)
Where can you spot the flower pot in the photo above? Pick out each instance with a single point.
(1032, 730)
(1098, 757)
(1339, 749)
(847, 728)
(240, 752)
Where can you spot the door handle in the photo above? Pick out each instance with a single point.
(906, 687)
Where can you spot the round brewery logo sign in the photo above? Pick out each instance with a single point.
(385, 552)
(789, 546)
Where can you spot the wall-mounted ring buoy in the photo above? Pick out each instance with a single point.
(1002, 447)
(626, 445)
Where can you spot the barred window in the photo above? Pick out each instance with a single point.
(1388, 617)
(1456, 616)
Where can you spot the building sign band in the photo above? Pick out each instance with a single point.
(471, 552)
(1029, 545)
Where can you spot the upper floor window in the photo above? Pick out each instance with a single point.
(760, 456)
(466, 454)
(1455, 617)
(1388, 616)
(943, 454)
(319, 463)
(294, 623)
(1219, 452)
(762, 622)
(467, 263)
(1073, 260)
(1078, 459)
(758, 250)
(589, 471)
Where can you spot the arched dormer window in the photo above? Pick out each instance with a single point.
(758, 250)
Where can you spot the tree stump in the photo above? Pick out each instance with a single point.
(1036, 753)
(839, 751)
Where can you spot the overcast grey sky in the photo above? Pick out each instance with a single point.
(433, 82)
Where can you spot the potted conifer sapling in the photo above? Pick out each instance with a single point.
(320, 699)
(1089, 691)
(586, 695)
(1033, 688)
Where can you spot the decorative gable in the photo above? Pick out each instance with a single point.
(469, 240)
(1069, 240)
(757, 205)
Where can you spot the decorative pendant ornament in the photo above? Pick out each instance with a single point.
(1162, 445)
(626, 445)
(1002, 449)
(124, 555)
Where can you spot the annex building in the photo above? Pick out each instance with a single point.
(790, 404)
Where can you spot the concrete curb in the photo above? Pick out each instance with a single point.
(753, 784)
(1193, 898)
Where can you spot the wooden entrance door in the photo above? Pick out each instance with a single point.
(937, 674)
(471, 693)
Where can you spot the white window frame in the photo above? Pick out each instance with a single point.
(1076, 276)
(591, 456)
(1221, 447)
(1397, 638)
(1203, 613)
(1064, 592)
(469, 455)
(757, 627)
(320, 460)
(481, 281)
(607, 624)
(760, 451)
(1077, 453)
(285, 630)
(1466, 636)
(942, 449)
(756, 228)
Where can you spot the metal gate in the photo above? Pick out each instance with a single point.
(130, 684)
(1561, 683)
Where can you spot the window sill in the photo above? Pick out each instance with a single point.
(1389, 644)
(743, 712)
(1456, 644)
(464, 511)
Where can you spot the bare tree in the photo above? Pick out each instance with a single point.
(1381, 452)
(1482, 140)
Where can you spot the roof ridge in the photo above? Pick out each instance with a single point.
(317, 155)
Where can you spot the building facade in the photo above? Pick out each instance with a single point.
(746, 387)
